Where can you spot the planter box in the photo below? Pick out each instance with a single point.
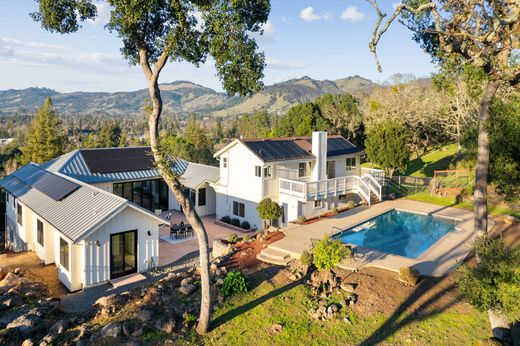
(235, 228)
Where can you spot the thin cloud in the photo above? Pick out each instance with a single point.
(285, 64)
(352, 14)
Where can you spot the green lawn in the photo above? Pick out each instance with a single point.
(246, 320)
(494, 210)
(423, 166)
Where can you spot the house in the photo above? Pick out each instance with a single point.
(94, 212)
(89, 234)
(305, 176)
(130, 173)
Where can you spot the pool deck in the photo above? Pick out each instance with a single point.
(438, 260)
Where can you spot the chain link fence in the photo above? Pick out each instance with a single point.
(401, 186)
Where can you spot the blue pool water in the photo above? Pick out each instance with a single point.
(398, 232)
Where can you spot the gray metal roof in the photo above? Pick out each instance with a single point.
(196, 174)
(74, 216)
(74, 165)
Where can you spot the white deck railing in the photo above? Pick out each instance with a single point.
(308, 191)
(374, 185)
(378, 174)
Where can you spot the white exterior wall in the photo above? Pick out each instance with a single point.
(109, 187)
(46, 251)
(204, 210)
(97, 258)
(19, 237)
(341, 166)
(238, 182)
(71, 277)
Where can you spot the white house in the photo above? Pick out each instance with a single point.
(89, 234)
(305, 176)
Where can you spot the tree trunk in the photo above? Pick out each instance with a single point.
(500, 326)
(482, 167)
(184, 202)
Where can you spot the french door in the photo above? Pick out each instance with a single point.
(123, 254)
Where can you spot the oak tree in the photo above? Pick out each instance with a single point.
(154, 32)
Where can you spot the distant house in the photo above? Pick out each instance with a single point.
(5, 141)
(304, 175)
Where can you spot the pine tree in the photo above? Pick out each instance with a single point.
(45, 139)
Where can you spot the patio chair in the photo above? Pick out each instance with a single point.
(173, 230)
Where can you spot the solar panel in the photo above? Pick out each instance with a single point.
(46, 182)
(118, 159)
(54, 186)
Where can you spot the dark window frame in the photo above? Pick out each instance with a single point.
(19, 214)
(40, 237)
(201, 197)
(350, 163)
(258, 171)
(268, 171)
(239, 209)
(64, 254)
(224, 162)
(140, 193)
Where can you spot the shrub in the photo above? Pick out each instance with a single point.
(301, 219)
(410, 275)
(268, 210)
(234, 282)
(245, 225)
(232, 238)
(235, 222)
(225, 219)
(327, 253)
(190, 318)
(334, 210)
(351, 204)
(246, 237)
(306, 258)
(492, 284)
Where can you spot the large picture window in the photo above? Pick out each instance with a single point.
(149, 194)
(39, 232)
(239, 209)
(64, 254)
(19, 214)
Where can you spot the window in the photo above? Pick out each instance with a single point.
(7, 197)
(318, 204)
(64, 253)
(202, 197)
(19, 214)
(39, 232)
(239, 209)
(268, 172)
(192, 196)
(350, 163)
(304, 169)
(258, 171)
(331, 169)
(224, 162)
(149, 194)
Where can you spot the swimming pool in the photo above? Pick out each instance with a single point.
(398, 232)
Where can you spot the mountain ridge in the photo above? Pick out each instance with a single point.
(182, 98)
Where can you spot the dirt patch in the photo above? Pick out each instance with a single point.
(32, 268)
(244, 255)
(510, 232)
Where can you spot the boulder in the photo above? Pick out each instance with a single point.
(27, 324)
(409, 275)
(145, 315)
(60, 326)
(166, 326)
(186, 281)
(187, 289)
(10, 279)
(112, 330)
(133, 329)
(28, 342)
(349, 288)
(276, 328)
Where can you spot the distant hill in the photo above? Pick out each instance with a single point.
(183, 98)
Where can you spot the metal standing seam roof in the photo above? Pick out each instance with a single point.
(74, 216)
(196, 174)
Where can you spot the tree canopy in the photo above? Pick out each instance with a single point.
(45, 139)
(387, 145)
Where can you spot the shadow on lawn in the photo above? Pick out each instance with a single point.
(260, 276)
(402, 316)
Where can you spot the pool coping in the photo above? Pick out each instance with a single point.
(438, 260)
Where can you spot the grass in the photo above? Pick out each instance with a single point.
(246, 319)
(435, 160)
(493, 209)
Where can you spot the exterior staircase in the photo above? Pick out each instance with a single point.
(274, 256)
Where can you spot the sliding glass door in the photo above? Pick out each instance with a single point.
(123, 254)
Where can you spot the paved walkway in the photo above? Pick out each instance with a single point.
(438, 260)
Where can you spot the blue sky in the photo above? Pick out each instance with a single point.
(320, 39)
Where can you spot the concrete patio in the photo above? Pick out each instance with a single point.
(438, 260)
(171, 250)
